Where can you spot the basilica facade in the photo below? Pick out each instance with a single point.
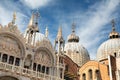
(31, 56)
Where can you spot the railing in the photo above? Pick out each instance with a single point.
(26, 72)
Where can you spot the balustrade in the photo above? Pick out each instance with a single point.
(26, 72)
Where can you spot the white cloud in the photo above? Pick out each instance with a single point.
(93, 24)
(90, 24)
(33, 4)
(6, 14)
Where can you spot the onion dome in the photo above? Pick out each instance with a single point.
(111, 46)
(72, 37)
(75, 50)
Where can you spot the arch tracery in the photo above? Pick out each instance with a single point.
(11, 45)
(43, 57)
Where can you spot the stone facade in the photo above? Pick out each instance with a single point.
(20, 59)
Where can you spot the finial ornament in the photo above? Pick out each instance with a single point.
(73, 27)
(113, 24)
(14, 17)
(46, 32)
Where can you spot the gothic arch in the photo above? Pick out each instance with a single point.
(17, 39)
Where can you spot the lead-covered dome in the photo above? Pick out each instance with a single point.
(109, 47)
(77, 53)
(75, 50)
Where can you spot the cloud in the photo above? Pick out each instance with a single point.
(6, 14)
(100, 14)
(33, 4)
(90, 24)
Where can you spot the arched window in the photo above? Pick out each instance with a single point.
(47, 70)
(39, 67)
(34, 66)
(90, 74)
(113, 36)
(97, 75)
(0, 55)
(43, 69)
(115, 54)
(17, 62)
(4, 58)
(117, 36)
(11, 60)
(84, 76)
(66, 68)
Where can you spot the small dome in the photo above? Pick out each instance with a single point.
(77, 53)
(39, 37)
(74, 50)
(109, 47)
(35, 39)
(73, 38)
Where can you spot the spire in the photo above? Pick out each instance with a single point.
(59, 35)
(59, 39)
(32, 28)
(14, 18)
(46, 32)
(113, 24)
(31, 21)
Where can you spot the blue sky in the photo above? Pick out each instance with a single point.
(92, 18)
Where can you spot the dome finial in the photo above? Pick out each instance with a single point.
(46, 32)
(113, 24)
(113, 34)
(73, 37)
(14, 17)
(73, 27)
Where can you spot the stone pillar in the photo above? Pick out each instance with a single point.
(87, 76)
(8, 59)
(1, 57)
(94, 75)
(13, 64)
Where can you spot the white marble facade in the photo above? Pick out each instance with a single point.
(21, 60)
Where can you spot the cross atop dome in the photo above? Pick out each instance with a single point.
(73, 27)
(113, 24)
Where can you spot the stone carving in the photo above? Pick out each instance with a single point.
(42, 57)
